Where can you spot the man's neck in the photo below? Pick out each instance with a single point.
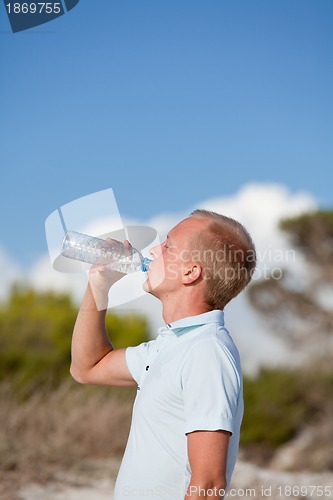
(175, 310)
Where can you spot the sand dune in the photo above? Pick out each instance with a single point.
(249, 481)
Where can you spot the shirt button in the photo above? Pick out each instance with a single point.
(147, 368)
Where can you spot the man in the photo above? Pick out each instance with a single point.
(187, 414)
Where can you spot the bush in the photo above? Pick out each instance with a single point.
(278, 403)
(35, 336)
(274, 408)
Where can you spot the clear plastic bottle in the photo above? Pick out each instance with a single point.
(112, 254)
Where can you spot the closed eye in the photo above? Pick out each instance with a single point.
(165, 244)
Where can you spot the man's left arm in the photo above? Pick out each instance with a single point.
(207, 453)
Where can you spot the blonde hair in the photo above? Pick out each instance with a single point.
(226, 252)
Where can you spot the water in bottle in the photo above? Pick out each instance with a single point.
(112, 254)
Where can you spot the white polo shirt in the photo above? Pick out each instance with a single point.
(189, 378)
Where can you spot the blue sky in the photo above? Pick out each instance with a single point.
(169, 102)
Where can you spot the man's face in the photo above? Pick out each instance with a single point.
(171, 258)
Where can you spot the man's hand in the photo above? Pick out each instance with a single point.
(101, 279)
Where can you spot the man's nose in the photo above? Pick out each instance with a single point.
(155, 251)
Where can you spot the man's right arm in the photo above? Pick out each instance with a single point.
(94, 360)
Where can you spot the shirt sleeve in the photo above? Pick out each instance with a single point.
(136, 357)
(211, 386)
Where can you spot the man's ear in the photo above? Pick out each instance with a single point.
(192, 273)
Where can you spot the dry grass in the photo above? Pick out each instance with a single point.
(62, 429)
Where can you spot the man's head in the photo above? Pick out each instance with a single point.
(207, 256)
(227, 255)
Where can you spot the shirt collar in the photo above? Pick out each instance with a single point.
(183, 325)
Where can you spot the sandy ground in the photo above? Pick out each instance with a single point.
(99, 490)
(249, 481)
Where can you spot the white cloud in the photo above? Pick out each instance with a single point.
(259, 207)
(43, 277)
(10, 272)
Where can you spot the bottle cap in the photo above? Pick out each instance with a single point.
(145, 264)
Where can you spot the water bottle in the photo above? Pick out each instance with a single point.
(112, 254)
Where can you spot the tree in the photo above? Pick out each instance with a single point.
(301, 310)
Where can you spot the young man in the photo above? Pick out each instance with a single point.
(188, 410)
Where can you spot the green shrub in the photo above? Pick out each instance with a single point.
(279, 402)
(35, 336)
(274, 408)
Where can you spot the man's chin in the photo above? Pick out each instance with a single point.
(148, 287)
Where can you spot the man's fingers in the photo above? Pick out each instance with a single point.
(127, 244)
